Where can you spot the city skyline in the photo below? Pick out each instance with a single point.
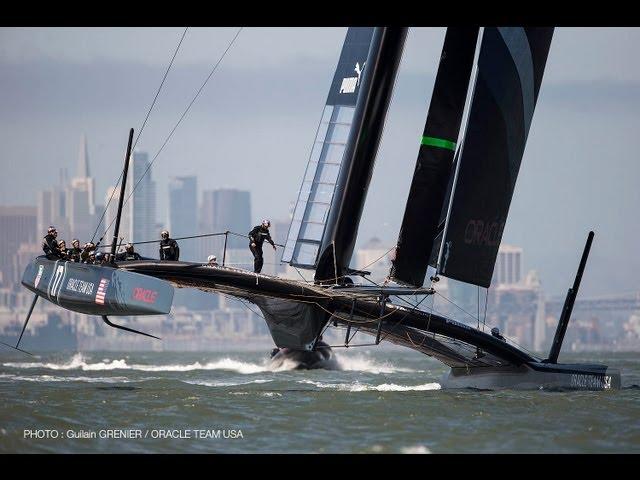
(517, 304)
(253, 126)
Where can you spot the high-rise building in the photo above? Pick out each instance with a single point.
(222, 210)
(108, 224)
(374, 257)
(17, 226)
(141, 206)
(138, 222)
(22, 257)
(80, 197)
(51, 211)
(508, 268)
(183, 214)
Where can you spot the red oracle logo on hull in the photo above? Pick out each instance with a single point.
(481, 233)
(145, 295)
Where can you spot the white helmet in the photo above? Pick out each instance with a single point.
(266, 223)
(211, 258)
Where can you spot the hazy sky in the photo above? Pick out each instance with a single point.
(253, 126)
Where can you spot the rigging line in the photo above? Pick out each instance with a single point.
(398, 297)
(249, 308)
(455, 305)
(407, 313)
(213, 70)
(105, 209)
(433, 302)
(366, 266)
(402, 319)
(215, 234)
(478, 288)
(364, 322)
(354, 335)
(486, 300)
(155, 98)
(247, 236)
(506, 338)
(181, 238)
(299, 273)
(144, 123)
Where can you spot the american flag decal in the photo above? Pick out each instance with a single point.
(102, 291)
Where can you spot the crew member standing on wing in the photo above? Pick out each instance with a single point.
(169, 249)
(257, 236)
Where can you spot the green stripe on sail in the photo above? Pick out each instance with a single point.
(438, 142)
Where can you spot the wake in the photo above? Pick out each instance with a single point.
(78, 361)
(363, 387)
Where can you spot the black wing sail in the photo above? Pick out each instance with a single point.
(338, 240)
(319, 182)
(327, 213)
(435, 158)
(510, 68)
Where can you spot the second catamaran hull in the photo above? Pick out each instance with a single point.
(321, 358)
(535, 376)
(499, 365)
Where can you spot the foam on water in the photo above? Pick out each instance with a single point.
(54, 378)
(207, 383)
(415, 449)
(363, 387)
(79, 362)
(361, 363)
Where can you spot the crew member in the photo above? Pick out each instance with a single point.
(128, 254)
(495, 331)
(169, 249)
(64, 253)
(49, 244)
(212, 261)
(257, 236)
(75, 252)
(88, 250)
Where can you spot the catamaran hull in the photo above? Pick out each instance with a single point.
(322, 358)
(97, 289)
(537, 376)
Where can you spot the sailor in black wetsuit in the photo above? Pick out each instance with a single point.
(495, 331)
(75, 251)
(64, 253)
(128, 254)
(88, 250)
(257, 236)
(169, 249)
(50, 245)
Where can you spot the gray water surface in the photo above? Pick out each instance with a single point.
(382, 401)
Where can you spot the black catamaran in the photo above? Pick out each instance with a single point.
(477, 125)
